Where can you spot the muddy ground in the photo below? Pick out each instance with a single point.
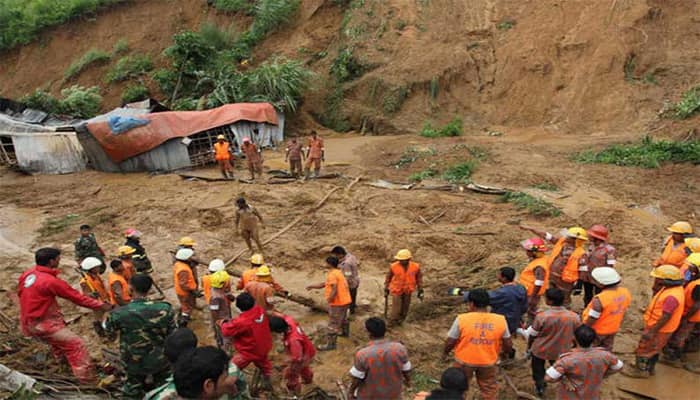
(470, 237)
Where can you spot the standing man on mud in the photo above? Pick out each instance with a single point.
(349, 266)
(535, 276)
(315, 154)
(40, 315)
(185, 285)
(675, 248)
(247, 219)
(86, 246)
(295, 154)
(139, 257)
(607, 309)
(253, 157)
(338, 297)
(223, 154)
(600, 254)
(404, 278)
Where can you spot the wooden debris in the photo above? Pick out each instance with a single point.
(12, 380)
(202, 177)
(435, 218)
(354, 181)
(519, 393)
(381, 183)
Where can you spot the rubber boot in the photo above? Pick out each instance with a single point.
(317, 173)
(307, 175)
(540, 388)
(224, 173)
(183, 320)
(330, 345)
(671, 357)
(640, 370)
(652, 365)
(346, 329)
(266, 383)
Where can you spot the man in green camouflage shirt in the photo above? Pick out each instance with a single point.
(143, 327)
(86, 246)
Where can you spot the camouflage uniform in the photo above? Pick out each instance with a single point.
(143, 326)
(168, 391)
(86, 246)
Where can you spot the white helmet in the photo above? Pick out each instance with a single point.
(90, 263)
(184, 254)
(216, 265)
(606, 276)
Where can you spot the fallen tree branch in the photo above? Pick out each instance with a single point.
(511, 385)
(354, 181)
(435, 218)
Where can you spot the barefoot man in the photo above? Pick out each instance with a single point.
(247, 219)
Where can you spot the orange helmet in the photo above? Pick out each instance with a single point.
(534, 244)
(598, 232)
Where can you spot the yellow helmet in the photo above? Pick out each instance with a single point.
(403, 254)
(680, 227)
(667, 271)
(221, 137)
(125, 250)
(694, 259)
(257, 259)
(693, 244)
(187, 241)
(577, 232)
(263, 271)
(219, 279)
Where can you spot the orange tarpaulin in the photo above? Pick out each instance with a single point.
(168, 125)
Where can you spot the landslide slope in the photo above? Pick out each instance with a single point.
(573, 66)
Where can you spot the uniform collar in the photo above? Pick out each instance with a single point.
(47, 270)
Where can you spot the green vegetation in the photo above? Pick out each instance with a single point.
(134, 93)
(22, 20)
(630, 67)
(532, 204)
(550, 187)
(424, 174)
(461, 172)
(346, 66)
(434, 87)
(332, 116)
(76, 101)
(91, 57)
(220, 39)
(129, 67)
(245, 6)
(56, 225)
(453, 128)
(121, 47)
(411, 155)
(422, 382)
(689, 104)
(505, 25)
(647, 154)
(393, 99)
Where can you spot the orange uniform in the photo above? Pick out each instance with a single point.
(478, 336)
(129, 269)
(673, 254)
(118, 281)
(247, 276)
(404, 281)
(528, 279)
(613, 303)
(221, 151)
(94, 284)
(262, 293)
(655, 309)
(689, 301)
(315, 147)
(183, 287)
(342, 296)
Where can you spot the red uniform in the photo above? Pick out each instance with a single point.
(301, 352)
(252, 339)
(41, 317)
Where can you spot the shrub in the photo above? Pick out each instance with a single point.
(533, 205)
(185, 104)
(270, 15)
(460, 173)
(505, 25)
(220, 39)
(411, 155)
(346, 66)
(453, 128)
(135, 93)
(129, 67)
(245, 6)
(647, 153)
(424, 174)
(689, 104)
(91, 57)
(41, 100)
(81, 102)
(121, 47)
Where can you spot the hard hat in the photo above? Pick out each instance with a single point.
(534, 244)
(403, 254)
(131, 232)
(221, 137)
(219, 279)
(694, 259)
(693, 244)
(187, 241)
(90, 263)
(184, 254)
(257, 259)
(216, 265)
(598, 232)
(680, 227)
(577, 232)
(667, 271)
(126, 250)
(246, 139)
(606, 276)
(263, 270)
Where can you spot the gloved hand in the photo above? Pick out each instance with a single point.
(420, 293)
(455, 291)
(198, 293)
(386, 292)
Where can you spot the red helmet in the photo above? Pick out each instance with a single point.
(534, 244)
(598, 232)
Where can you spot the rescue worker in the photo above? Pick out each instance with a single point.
(404, 278)
(263, 288)
(92, 285)
(295, 154)
(600, 254)
(256, 260)
(661, 318)
(607, 309)
(247, 219)
(300, 352)
(692, 245)
(253, 157)
(675, 249)
(315, 154)
(86, 246)
(40, 315)
(125, 255)
(143, 326)
(582, 370)
(691, 313)
(187, 242)
(220, 306)
(205, 373)
(139, 257)
(185, 285)
(215, 266)
(550, 335)
(337, 295)
(223, 154)
(479, 357)
(535, 276)
(349, 266)
(251, 337)
(567, 259)
(119, 294)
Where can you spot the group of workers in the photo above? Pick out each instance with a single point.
(580, 260)
(295, 153)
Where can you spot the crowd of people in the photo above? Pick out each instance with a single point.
(162, 360)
